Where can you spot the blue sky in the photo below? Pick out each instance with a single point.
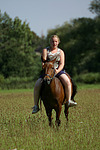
(46, 14)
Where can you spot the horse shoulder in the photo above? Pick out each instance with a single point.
(57, 87)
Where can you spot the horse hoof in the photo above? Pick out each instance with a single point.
(58, 122)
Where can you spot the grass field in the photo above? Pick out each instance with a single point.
(20, 130)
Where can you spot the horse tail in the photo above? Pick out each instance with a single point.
(40, 104)
(74, 87)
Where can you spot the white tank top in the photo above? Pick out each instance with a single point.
(51, 56)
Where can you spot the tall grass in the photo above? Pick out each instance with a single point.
(21, 130)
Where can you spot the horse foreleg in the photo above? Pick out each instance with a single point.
(58, 111)
(66, 111)
(49, 114)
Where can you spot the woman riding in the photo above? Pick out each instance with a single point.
(51, 53)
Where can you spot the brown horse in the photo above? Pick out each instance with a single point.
(53, 94)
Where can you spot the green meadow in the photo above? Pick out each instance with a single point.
(20, 130)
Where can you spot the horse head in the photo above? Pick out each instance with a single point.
(49, 72)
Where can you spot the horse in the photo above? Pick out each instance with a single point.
(53, 93)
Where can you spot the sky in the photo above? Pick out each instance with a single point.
(43, 15)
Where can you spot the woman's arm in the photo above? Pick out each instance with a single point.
(62, 62)
(44, 56)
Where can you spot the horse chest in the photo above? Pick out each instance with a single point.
(53, 93)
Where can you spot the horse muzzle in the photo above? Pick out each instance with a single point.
(47, 80)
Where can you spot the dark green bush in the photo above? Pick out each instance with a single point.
(89, 78)
(24, 83)
(1, 79)
(17, 83)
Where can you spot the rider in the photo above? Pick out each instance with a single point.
(51, 53)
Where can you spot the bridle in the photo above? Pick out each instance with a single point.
(51, 78)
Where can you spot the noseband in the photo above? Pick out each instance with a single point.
(51, 78)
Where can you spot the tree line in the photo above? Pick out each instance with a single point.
(80, 40)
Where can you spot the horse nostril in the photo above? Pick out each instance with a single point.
(46, 80)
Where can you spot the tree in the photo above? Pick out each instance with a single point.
(17, 48)
(95, 7)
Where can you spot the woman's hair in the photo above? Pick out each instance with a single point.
(53, 37)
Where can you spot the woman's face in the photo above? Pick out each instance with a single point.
(54, 42)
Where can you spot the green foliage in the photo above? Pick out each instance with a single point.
(16, 83)
(89, 78)
(80, 42)
(1, 79)
(95, 7)
(17, 48)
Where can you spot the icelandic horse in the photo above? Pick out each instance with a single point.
(53, 93)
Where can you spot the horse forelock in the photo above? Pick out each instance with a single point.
(50, 64)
